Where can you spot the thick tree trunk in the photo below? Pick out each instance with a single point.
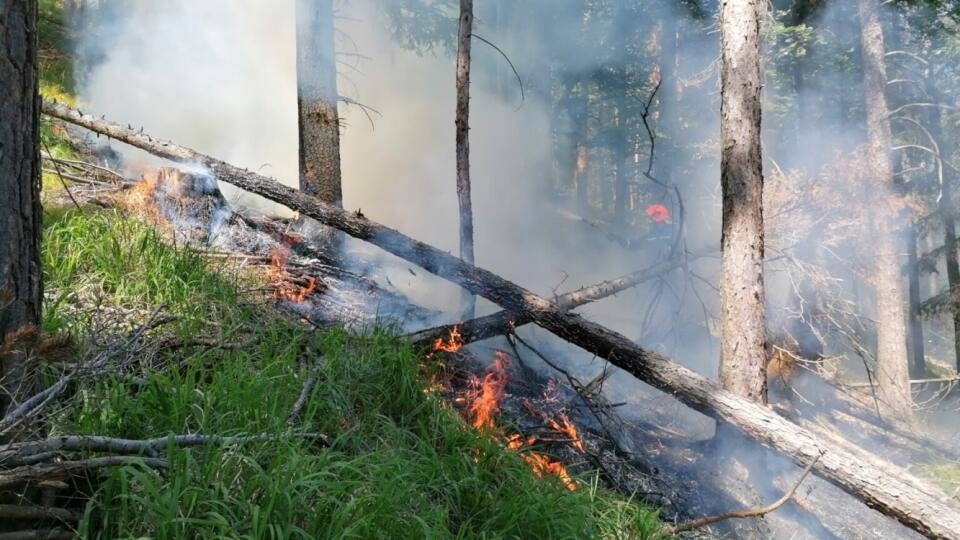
(319, 122)
(953, 266)
(953, 278)
(20, 290)
(743, 355)
(464, 35)
(918, 363)
(892, 373)
(881, 485)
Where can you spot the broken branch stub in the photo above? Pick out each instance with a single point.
(881, 485)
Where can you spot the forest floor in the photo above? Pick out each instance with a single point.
(371, 455)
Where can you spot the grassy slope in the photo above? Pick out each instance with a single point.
(400, 465)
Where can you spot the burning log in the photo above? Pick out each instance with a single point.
(881, 485)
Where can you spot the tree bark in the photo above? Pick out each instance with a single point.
(621, 190)
(919, 367)
(580, 119)
(743, 339)
(319, 123)
(464, 34)
(946, 146)
(892, 373)
(881, 485)
(20, 286)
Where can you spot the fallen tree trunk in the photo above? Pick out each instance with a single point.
(881, 485)
(503, 322)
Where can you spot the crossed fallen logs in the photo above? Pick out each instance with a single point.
(879, 484)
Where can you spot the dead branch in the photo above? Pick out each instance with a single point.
(880, 484)
(755, 512)
(504, 322)
(126, 346)
(305, 392)
(37, 513)
(82, 165)
(944, 380)
(34, 473)
(62, 181)
(38, 534)
(16, 453)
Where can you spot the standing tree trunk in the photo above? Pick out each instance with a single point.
(947, 214)
(742, 327)
(919, 366)
(319, 124)
(20, 287)
(953, 267)
(581, 154)
(620, 143)
(463, 145)
(892, 374)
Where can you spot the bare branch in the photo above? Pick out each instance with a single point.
(755, 512)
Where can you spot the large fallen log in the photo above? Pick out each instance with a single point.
(881, 485)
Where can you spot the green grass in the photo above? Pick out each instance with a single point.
(400, 465)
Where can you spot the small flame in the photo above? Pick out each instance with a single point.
(452, 344)
(539, 463)
(278, 259)
(285, 289)
(484, 402)
(566, 427)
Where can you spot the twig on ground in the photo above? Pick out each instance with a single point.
(38, 534)
(742, 514)
(32, 473)
(308, 385)
(60, 176)
(37, 513)
(15, 453)
(36, 403)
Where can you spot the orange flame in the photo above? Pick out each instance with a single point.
(484, 402)
(539, 463)
(452, 344)
(566, 427)
(278, 262)
(286, 290)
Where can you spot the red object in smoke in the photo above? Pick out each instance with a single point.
(658, 213)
